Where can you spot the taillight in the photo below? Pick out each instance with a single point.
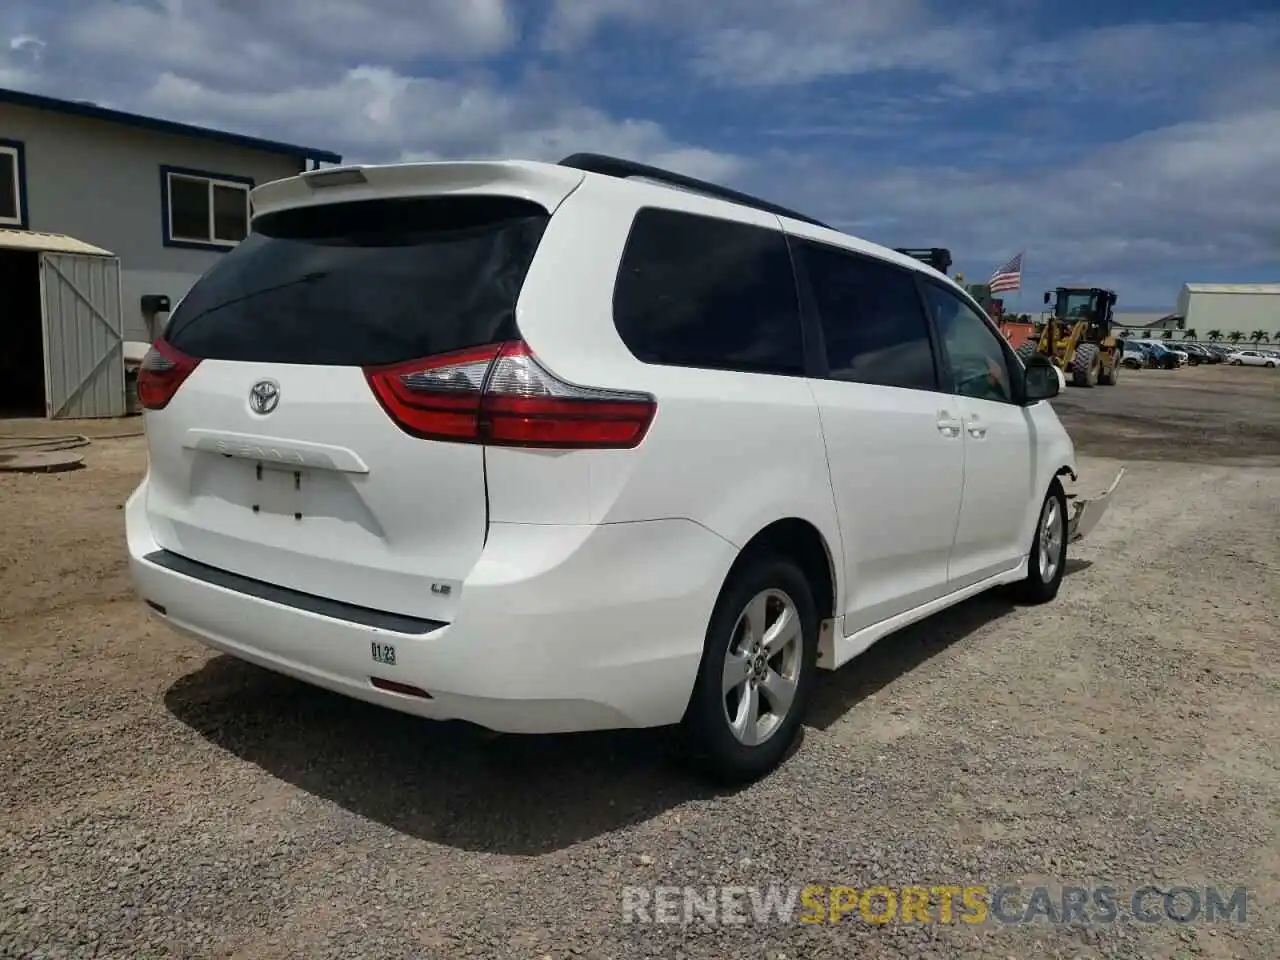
(161, 374)
(501, 395)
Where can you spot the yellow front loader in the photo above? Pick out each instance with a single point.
(1078, 338)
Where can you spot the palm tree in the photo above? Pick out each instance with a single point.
(1215, 335)
(1146, 334)
(1258, 336)
(1167, 335)
(1235, 336)
(1190, 334)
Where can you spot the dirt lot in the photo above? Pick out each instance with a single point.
(156, 800)
(1227, 414)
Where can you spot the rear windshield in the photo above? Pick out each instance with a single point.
(365, 283)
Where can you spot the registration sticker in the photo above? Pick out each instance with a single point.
(384, 653)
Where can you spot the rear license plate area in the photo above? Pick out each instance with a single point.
(384, 653)
(277, 491)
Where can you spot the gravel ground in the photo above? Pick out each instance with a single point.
(158, 800)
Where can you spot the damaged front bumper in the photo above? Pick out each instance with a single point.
(1086, 511)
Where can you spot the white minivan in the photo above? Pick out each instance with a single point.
(554, 447)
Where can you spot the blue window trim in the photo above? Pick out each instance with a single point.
(24, 218)
(165, 172)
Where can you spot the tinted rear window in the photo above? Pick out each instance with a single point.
(364, 283)
(694, 291)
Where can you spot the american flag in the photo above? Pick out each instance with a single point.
(1008, 276)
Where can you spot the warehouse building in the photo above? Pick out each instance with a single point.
(106, 220)
(1228, 307)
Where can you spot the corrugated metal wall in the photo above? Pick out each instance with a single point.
(1245, 312)
(84, 361)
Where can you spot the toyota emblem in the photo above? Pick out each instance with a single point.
(264, 396)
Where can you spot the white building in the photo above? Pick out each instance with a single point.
(1228, 307)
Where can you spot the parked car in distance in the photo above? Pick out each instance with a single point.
(556, 447)
(1251, 358)
(1222, 351)
(1212, 355)
(1196, 354)
(1132, 355)
(1158, 356)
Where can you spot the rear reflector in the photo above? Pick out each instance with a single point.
(395, 686)
(501, 395)
(163, 370)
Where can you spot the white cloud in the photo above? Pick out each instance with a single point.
(759, 43)
(1163, 205)
(392, 31)
(376, 81)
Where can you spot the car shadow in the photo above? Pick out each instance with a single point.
(456, 785)
(450, 783)
(898, 654)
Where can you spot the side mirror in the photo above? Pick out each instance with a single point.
(1042, 381)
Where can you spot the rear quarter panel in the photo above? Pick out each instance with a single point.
(731, 451)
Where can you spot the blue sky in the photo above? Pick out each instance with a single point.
(1129, 145)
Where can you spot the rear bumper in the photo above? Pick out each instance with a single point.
(1087, 511)
(558, 628)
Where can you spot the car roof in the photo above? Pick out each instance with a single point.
(691, 200)
(548, 183)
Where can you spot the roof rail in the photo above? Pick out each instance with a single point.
(625, 169)
(937, 257)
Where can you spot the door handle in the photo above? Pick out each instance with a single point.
(976, 430)
(948, 425)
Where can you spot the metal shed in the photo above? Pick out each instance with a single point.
(81, 322)
(1228, 307)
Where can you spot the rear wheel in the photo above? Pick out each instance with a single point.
(1085, 365)
(1048, 558)
(1271, 363)
(758, 670)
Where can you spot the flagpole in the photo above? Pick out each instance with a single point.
(1021, 271)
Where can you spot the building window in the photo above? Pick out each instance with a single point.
(208, 211)
(13, 185)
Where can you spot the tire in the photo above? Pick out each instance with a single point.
(760, 591)
(1037, 587)
(1270, 363)
(1108, 378)
(1084, 366)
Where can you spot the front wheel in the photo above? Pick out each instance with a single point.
(1085, 365)
(758, 670)
(1048, 558)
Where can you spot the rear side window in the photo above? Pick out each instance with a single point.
(694, 291)
(872, 323)
(373, 282)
